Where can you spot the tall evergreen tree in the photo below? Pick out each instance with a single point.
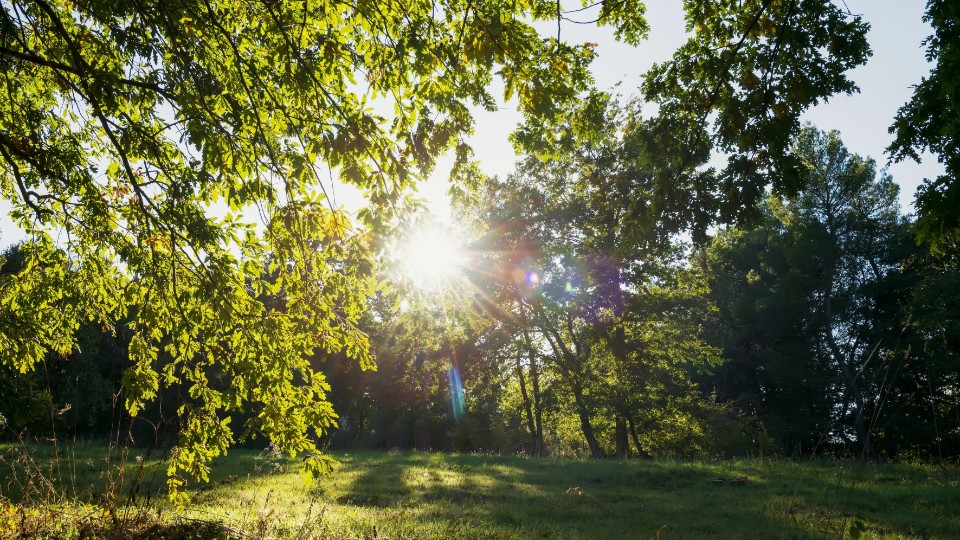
(806, 302)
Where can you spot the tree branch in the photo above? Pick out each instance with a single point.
(42, 61)
(27, 194)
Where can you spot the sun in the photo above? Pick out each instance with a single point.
(432, 257)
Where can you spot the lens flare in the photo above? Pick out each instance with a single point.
(456, 392)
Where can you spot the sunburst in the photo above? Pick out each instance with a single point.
(432, 258)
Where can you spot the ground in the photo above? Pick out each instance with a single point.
(405, 495)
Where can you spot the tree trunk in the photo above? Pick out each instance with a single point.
(643, 454)
(618, 346)
(536, 433)
(623, 445)
(863, 436)
(537, 409)
(572, 378)
(585, 425)
(533, 450)
(859, 422)
(890, 443)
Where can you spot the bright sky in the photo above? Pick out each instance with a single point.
(886, 83)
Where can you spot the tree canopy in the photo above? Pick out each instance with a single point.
(809, 299)
(930, 121)
(124, 121)
(141, 140)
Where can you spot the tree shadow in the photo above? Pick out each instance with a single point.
(533, 498)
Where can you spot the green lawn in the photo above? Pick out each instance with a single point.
(419, 495)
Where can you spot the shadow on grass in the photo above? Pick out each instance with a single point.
(489, 497)
(191, 530)
(421, 495)
(379, 483)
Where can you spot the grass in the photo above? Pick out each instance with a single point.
(422, 495)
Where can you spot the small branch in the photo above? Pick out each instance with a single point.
(42, 61)
(559, 18)
(27, 194)
(584, 8)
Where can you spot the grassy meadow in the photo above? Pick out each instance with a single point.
(422, 495)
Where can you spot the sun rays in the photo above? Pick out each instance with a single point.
(432, 258)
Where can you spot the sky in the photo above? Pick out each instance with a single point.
(886, 82)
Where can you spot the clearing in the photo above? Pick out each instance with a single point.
(423, 495)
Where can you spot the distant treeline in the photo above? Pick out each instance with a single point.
(817, 326)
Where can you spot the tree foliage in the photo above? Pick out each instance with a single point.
(123, 122)
(140, 141)
(930, 121)
(742, 80)
(583, 268)
(826, 314)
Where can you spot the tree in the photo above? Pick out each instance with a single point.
(931, 121)
(754, 67)
(760, 283)
(123, 121)
(809, 299)
(71, 394)
(583, 246)
(922, 411)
